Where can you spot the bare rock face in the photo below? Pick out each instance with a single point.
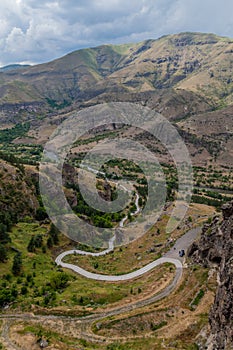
(221, 316)
(207, 251)
(216, 248)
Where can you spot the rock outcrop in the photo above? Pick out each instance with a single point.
(216, 248)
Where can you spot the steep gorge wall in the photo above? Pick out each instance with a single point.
(216, 248)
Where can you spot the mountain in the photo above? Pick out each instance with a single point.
(196, 63)
(13, 67)
(187, 77)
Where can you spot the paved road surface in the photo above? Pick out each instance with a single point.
(170, 257)
(110, 278)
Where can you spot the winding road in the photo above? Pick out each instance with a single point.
(171, 257)
(117, 278)
(84, 322)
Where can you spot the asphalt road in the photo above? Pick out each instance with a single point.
(170, 257)
(112, 278)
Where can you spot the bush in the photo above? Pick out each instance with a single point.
(59, 281)
(24, 290)
(41, 214)
(3, 253)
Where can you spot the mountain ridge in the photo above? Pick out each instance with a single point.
(151, 65)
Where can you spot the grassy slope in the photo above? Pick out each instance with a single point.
(42, 265)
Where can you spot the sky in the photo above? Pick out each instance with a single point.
(36, 31)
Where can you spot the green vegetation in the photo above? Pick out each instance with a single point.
(55, 337)
(116, 346)
(19, 130)
(59, 281)
(28, 248)
(21, 153)
(54, 104)
(155, 327)
(210, 201)
(212, 180)
(3, 253)
(96, 138)
(98, 218)
(17, 264)
(35, 242)
(10, 158)
(23, 282)
(197, 299)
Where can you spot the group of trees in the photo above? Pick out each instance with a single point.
(208, 201)
(4, 247)
(7, 219)
(19, 130)
(35, 242)
(10, 158)
(7, 296)
(98, 218)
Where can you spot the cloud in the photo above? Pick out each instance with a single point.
(38, 31)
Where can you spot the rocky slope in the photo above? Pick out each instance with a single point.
(17, 192)
(215, 248)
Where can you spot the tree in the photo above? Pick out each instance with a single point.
(24, 290)
(41, 214)
(17, 264)
(38, 241)
(96, 265)
(53, 232)
(4, 235)
(140, 202)
(31, 246)
(14, 292)
(50, 242)
(3, 253)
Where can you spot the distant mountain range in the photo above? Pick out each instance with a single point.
(13, 67)
(188, 77)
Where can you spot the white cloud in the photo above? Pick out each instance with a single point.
(32, 30)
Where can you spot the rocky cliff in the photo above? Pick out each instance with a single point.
(215, 248)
